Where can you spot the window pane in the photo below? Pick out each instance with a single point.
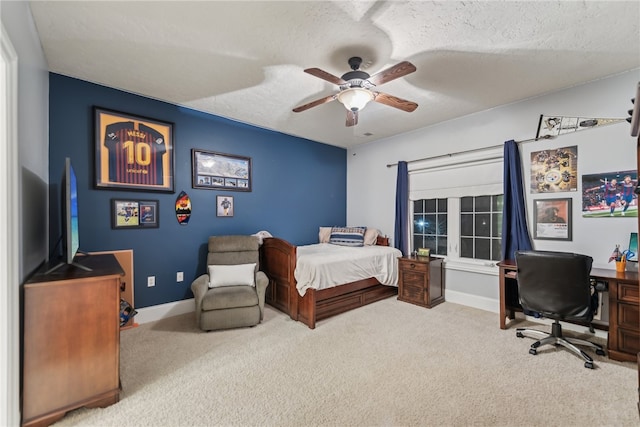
(497, 203)
(466, 204)
(442, 224)
(418, 224)
(418, 206)
(430, 205)
(442, 205)
(430, 242)
(417, 242)
(442, 245)
(496, 225)
(483, 204)
(496, 248)
(430, 224)
(483, 225)
(466, 224)
(483, 249)
(466, 247)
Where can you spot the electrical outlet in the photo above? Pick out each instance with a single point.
(179, 276)
(151, 281)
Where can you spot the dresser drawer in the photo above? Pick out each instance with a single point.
(628, 316)
(628, 341)
(628, 292)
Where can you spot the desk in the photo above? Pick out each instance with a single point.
(623, 325)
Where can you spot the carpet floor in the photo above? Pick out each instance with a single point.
(386, 364)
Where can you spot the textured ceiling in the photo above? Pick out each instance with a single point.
(244, 60)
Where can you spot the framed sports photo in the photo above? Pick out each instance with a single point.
(218, 171)
(127, 213)
(224, 206)
(132, 152)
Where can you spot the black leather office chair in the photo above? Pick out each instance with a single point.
(556, 285)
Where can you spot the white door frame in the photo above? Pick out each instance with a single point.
(9, 236)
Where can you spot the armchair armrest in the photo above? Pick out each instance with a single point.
(262, 281)
(199, 287)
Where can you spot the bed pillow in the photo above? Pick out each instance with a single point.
(232, 275)
(347, 236)
(324, 234)
(371, 236)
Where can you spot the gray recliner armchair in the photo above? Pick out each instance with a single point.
(229, 296)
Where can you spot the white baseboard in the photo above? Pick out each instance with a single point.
(162, 311)
(475, 301)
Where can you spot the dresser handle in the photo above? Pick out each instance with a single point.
(413, 265)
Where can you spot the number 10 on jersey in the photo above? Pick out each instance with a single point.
(133, 152)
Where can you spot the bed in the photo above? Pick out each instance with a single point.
(280, 260)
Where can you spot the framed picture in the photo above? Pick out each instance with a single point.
(224, 206)
(552, 219)
(132, 152)
(610, 194)
(554, 171)
(126, 213)
(218, 171)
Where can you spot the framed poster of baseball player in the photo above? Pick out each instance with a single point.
(133, 152)
(224, 206)
(218, 171)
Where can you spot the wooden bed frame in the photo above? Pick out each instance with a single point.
(278, 261)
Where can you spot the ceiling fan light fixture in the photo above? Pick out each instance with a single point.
(355, 99)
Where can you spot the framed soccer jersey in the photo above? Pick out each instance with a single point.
(133, 152)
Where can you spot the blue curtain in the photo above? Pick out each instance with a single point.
(402, 206)
(515, 235)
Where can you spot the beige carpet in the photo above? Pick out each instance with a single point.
(386, 364)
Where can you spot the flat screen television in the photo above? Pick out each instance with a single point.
(70, 231)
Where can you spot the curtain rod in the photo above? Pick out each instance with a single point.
(472, 150)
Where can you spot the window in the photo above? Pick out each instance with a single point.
(481, 227)
(479, 230)
(430, 225)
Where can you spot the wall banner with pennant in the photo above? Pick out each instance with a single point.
(550, 126)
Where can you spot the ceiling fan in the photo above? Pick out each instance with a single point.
(357, 88)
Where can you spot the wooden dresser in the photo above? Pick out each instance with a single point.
(421, 281)
(71, 355)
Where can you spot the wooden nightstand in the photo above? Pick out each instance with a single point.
(421, 281)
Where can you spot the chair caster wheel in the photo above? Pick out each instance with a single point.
(600, 352)
(519, 335)
(588, 365)
(533, 351)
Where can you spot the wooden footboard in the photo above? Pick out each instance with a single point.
(279, 262)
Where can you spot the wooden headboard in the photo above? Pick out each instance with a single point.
(382, 241)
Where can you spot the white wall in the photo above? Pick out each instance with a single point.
(27, 112)
(33, 134)
(371, 184)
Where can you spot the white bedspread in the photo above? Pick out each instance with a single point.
(324, 265)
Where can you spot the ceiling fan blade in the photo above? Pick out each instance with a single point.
(394, 101)
(325, 76)
(315, 103)
(352, 118)
(392, 73)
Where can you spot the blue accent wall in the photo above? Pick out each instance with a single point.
(297, 186)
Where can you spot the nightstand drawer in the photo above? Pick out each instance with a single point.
(409, 265)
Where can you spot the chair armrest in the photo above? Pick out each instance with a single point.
(199, 288)
(262, 281)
